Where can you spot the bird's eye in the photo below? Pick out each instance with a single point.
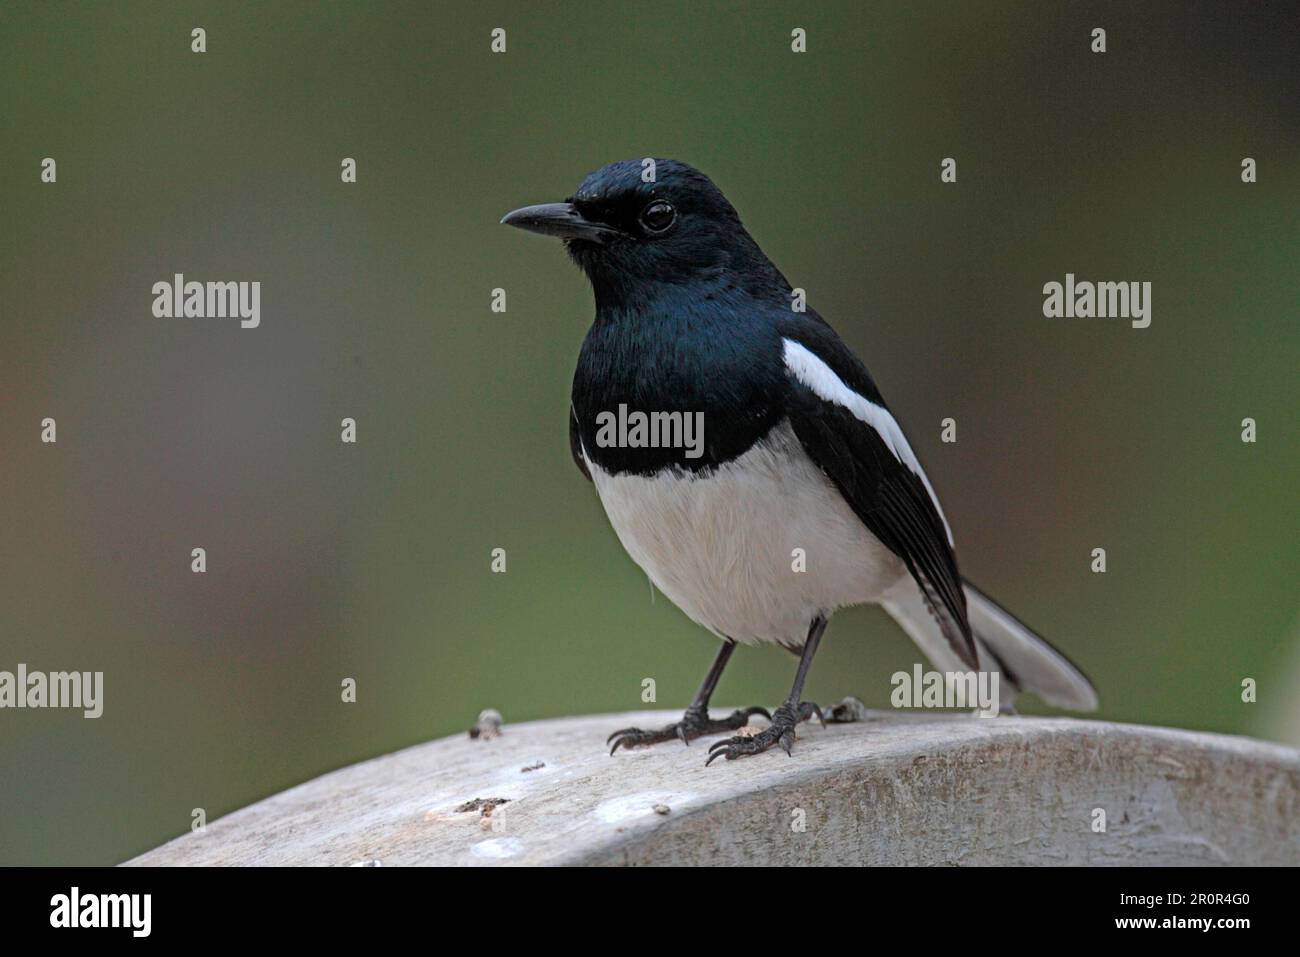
(658, 216)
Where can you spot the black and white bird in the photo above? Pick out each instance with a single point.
(799, 451)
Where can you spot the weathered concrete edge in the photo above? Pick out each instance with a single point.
(849, 759)
(1264, 759)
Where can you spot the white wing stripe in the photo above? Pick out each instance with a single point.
(809, 369)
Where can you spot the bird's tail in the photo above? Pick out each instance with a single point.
(1026, 661)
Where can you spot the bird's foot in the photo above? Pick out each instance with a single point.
(695, 723)
(780, 731)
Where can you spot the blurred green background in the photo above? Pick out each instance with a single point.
(371, 561)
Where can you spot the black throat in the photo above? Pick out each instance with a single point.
(678, 376)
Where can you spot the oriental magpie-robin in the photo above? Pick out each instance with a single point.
(798, 452)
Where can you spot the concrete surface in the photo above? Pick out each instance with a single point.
(897, 788)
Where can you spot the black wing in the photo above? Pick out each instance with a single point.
(890, 498)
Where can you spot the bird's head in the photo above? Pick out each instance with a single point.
(635, 223)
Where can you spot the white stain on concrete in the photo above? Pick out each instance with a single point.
(497, 848)
(620, 810)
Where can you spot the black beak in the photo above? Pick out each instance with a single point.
(560, 219)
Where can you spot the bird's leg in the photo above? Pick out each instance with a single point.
(696, 721)
(784, 719)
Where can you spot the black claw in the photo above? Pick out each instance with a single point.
(808, 709)
(695, 723)
(718, 754)
(779, 732)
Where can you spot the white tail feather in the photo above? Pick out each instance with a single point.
(1026, 661)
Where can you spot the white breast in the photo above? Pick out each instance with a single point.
(722, 545)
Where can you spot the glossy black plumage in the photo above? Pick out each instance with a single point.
(695, 321)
